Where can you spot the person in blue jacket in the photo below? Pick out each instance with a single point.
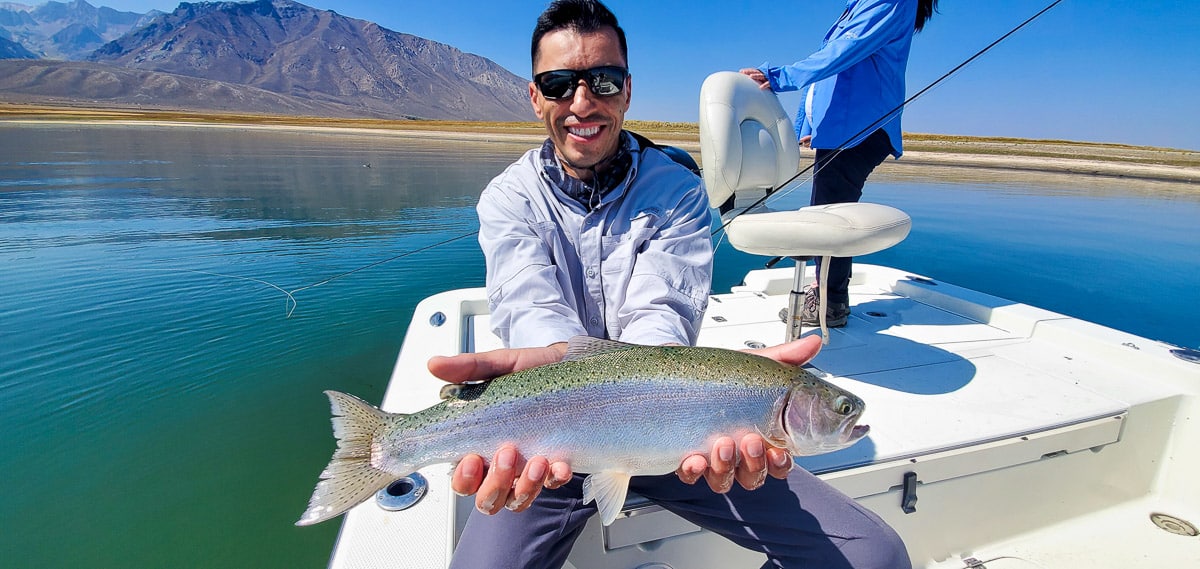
(854, 88)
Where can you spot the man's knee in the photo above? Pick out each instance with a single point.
(884, 550)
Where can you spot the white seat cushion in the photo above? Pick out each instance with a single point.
(835, 230)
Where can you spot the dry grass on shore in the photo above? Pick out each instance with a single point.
(1180, 165)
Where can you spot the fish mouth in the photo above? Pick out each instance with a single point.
(849, 438)
(858, 432)
(851, 432)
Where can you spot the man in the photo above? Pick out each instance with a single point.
(595, 234)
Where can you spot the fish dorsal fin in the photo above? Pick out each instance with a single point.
(462, 391)
(448, 392)
(608, 488)
(580, 347)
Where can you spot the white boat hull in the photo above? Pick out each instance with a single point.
(1029, 438)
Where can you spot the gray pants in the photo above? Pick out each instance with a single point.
(801, 522)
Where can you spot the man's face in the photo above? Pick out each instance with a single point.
(584, 127)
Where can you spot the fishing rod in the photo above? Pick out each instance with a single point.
(888, 116)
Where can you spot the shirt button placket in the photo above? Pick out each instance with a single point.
(591, 254)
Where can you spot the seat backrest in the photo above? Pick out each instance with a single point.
(746, 138)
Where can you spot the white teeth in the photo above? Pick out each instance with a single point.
(584, 132)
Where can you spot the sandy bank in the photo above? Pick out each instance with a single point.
(922, 151)
(1076, 166)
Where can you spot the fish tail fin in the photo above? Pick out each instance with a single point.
(351, 476)
(608, 488)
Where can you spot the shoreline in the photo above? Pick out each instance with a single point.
(922, 151)
(913, 160)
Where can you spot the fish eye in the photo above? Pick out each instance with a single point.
(843, 405)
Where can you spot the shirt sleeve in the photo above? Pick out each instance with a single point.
(528, 306)
(869, 27)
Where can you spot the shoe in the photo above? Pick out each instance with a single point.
(836, 313)
(809, 307)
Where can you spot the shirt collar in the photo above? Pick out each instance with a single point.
(589, 195)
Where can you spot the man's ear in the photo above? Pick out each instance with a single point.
(533, 99)
(628, 91)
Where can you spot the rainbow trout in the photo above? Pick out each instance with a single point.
(611, 409)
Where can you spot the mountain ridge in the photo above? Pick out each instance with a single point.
(316, 59)
(72, 30)
(41, 81)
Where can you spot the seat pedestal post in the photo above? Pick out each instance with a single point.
(796, 300)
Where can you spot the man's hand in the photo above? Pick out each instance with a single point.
(758, 458)
(513, 482)
(749, 463)
(483, 366)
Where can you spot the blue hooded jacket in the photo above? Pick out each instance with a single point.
(856, 77)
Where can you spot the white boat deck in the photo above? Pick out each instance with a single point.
(1029, 439)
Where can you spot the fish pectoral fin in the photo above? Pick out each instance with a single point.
(608, 488)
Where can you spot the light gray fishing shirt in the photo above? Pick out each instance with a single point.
(636, 268)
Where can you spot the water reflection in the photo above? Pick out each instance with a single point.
(146, 344)
(147, 362)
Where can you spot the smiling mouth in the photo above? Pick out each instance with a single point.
(583, 132)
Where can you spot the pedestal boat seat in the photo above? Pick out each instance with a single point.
(749, 150)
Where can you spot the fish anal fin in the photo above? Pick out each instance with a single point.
(608, 488)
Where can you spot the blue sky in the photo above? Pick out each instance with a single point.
(1126, 72)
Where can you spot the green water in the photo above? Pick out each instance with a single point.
(159, 415)
(160, 409)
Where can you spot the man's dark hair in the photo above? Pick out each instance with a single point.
(925, 10)
(580, 16)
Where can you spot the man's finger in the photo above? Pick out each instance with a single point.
(692, 468)
(496, 489)
(779, 462)
(752, 469)
(796, 352)
(468, 475)
(529, 484)
(722, 465)
(560, 473)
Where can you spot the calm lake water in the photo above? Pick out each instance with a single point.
(160, 407)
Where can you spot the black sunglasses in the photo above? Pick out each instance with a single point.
(603, 81)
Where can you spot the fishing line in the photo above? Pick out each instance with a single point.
(292, 303)
(382, 261)
(292, 300)
(886, 118)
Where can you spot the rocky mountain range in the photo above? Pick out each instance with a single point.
(57, 30)
(264, 56)
(12, 50)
